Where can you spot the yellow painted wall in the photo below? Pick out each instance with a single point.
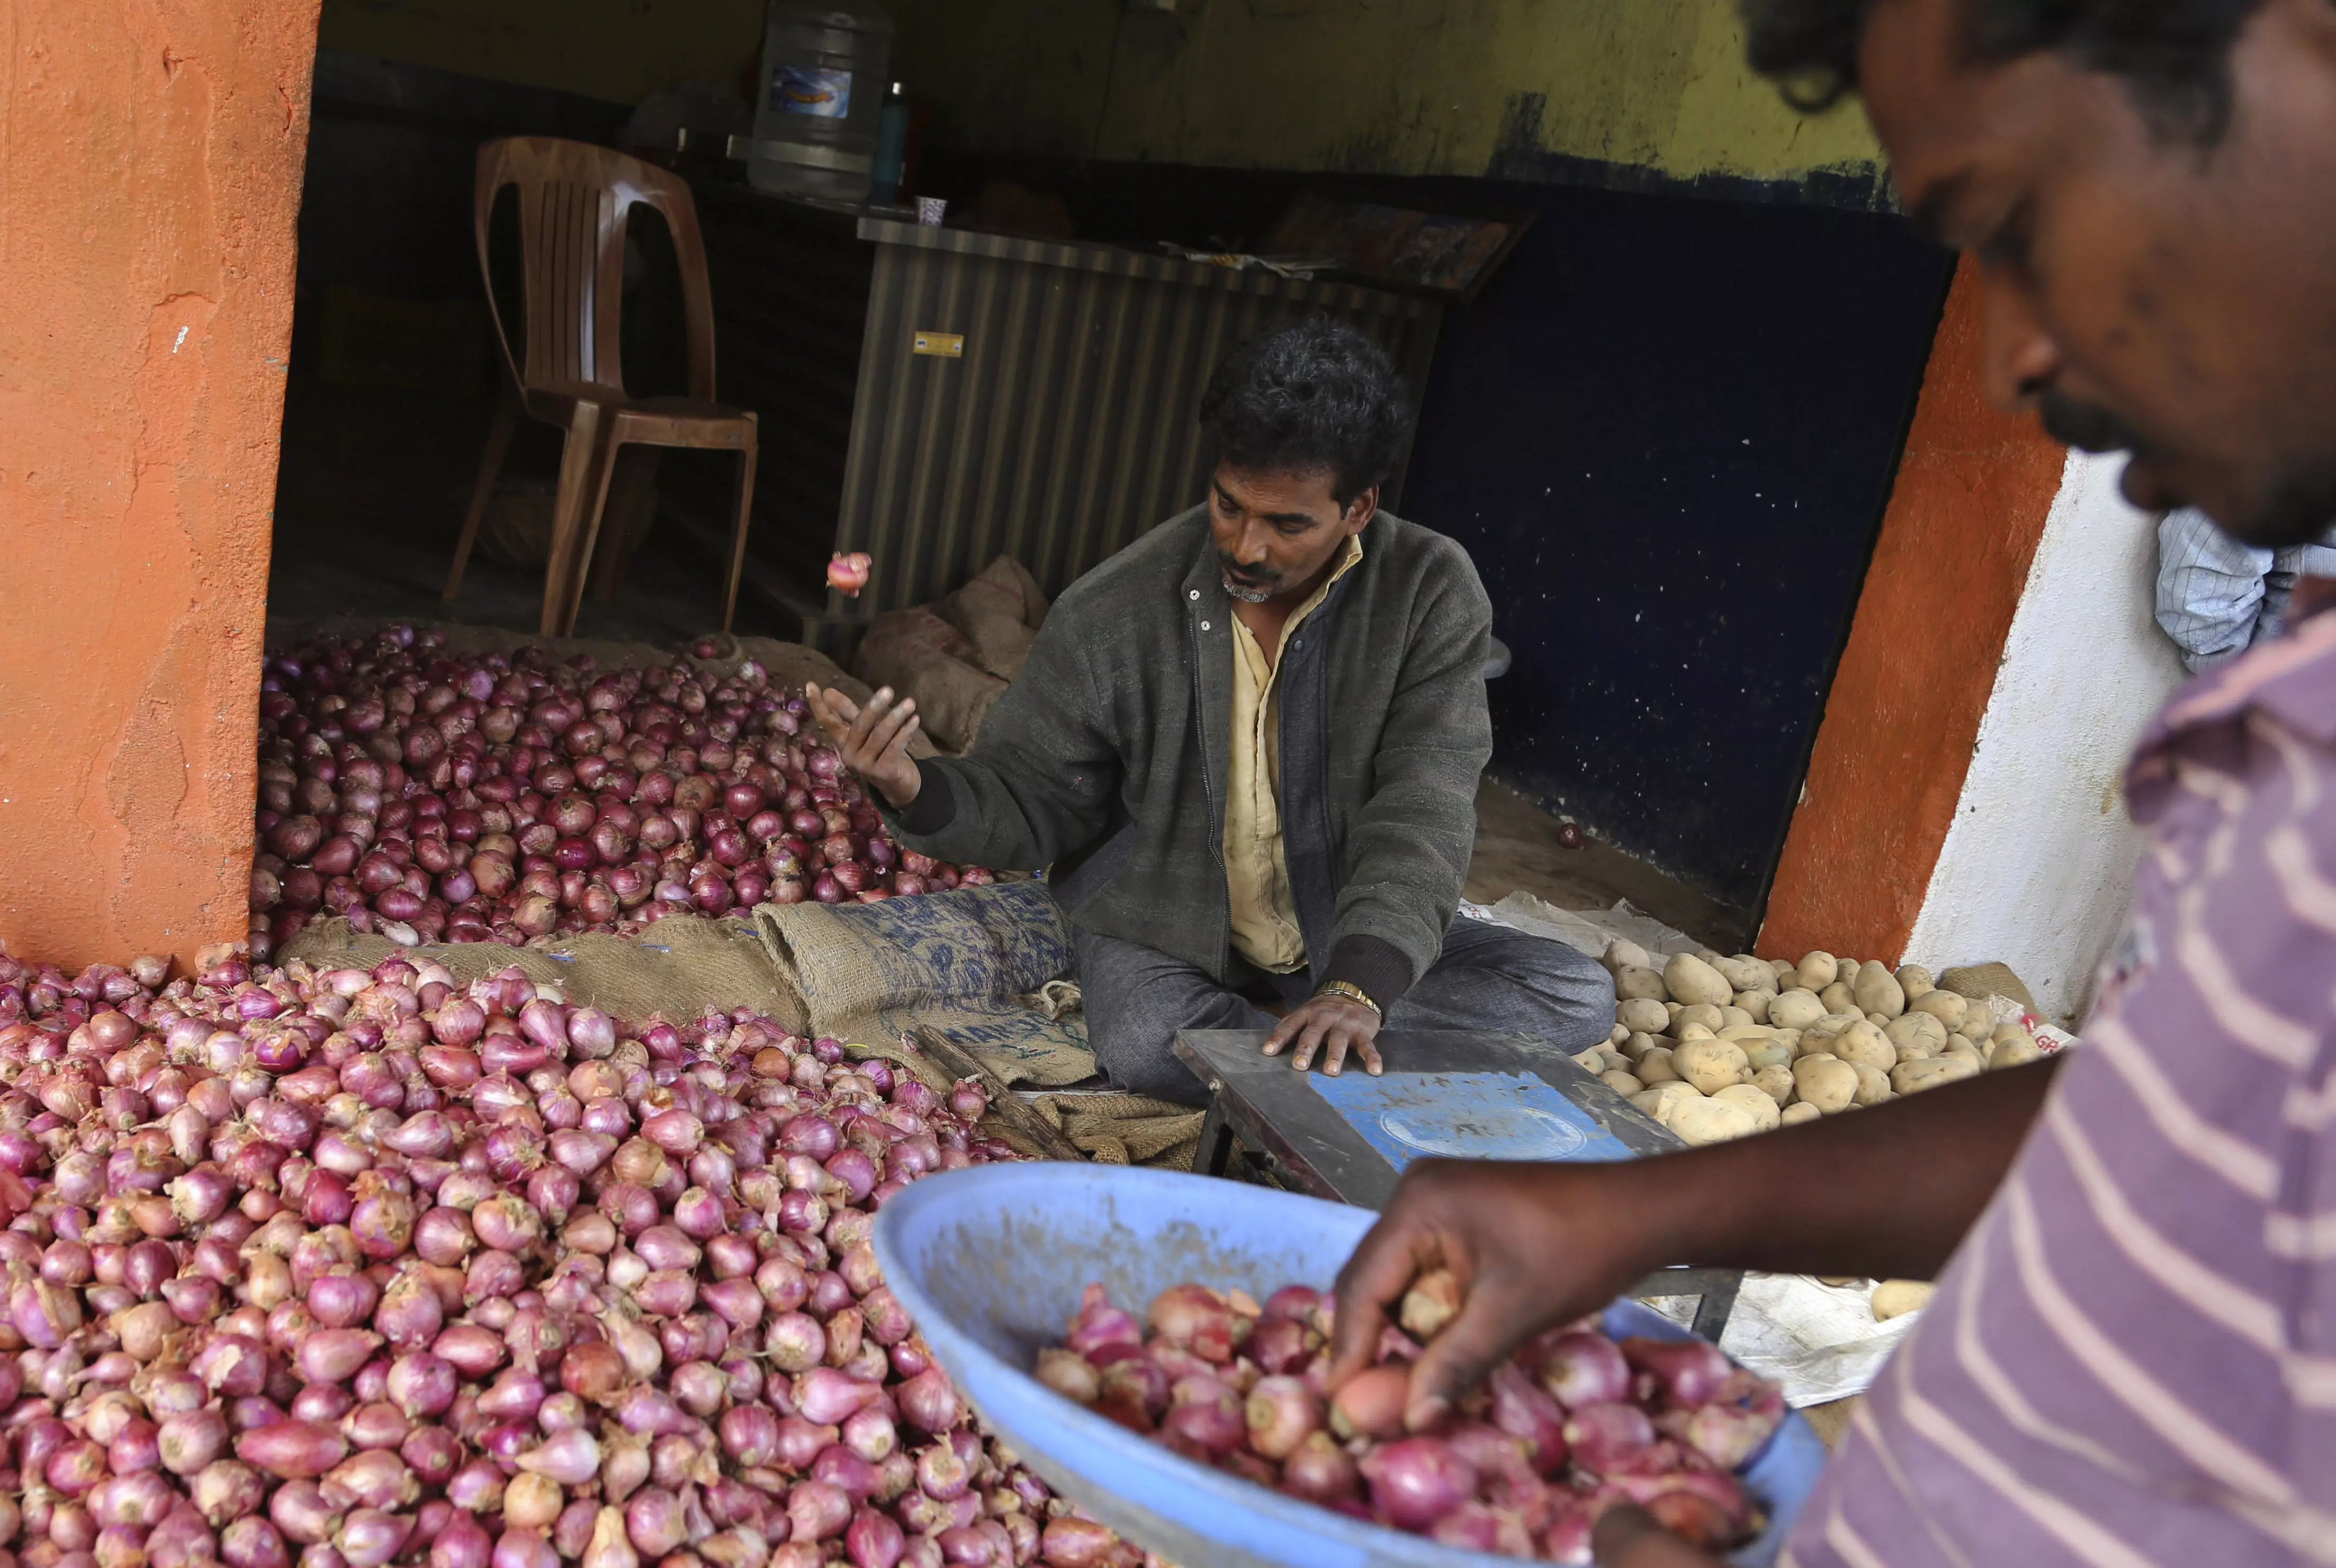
(1377, 86)
(620, 49)
(1367, 86)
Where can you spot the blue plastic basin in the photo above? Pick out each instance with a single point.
(991, 1261)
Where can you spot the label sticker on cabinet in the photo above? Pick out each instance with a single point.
(947, 345)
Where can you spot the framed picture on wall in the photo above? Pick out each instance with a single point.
(1447, 255)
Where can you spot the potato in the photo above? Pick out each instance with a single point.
(1702, 1013)
(1963, 1050)
(1761, 1055)
(1711, 1065)
(1621, 1083)
(1731, 1018)
(1877, 990)
(2016, 1052)
(1635, 983)
(1838, 999)
(1897, 1298)
(1872, 1083)
(1637, 1046)
(1796, 1113)
(1745, 974)
(1796, 1009)
(1862, 1042)
(1816, 971)
(1618, 1034)
(1978, 1024)
(1929, 1073)
(1787, 973)
(1775, 1081)
(1946, 1007)
(1755, 1100)
(1683, 1032)
(1915, 981)
(1834, 1023)
(1661, 1101)
(1711, 1121)
(1626, 955)
(1592, 1061)
(1655, 1068)
(2010, 1032)
(1755, 1004)
(1692, 980)
(1644, 1015)
(1917, 1029)
(1824, 1081)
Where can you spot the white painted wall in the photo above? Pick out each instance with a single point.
(2037, 866)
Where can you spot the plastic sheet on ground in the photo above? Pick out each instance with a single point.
(1585, 930)
(1819, 1340)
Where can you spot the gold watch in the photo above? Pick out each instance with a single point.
(1352, 992)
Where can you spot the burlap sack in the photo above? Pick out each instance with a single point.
(999, 612)
(958, 962)
(921, 656)
(1980, 982)
(677, 969)
(1117, 1129)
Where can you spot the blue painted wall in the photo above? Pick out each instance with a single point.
(1667, 432)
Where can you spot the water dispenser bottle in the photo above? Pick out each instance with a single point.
(822, 97)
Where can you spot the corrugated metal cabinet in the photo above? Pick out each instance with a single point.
(1013, 395)
(1035, 398)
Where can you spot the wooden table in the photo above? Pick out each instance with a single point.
(1467, 1094)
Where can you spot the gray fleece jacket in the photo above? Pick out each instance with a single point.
(1107, 758)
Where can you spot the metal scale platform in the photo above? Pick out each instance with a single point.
(1484, 1096)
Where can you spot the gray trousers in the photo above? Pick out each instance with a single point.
(1488, 978)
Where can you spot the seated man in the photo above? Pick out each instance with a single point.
(1248, 747)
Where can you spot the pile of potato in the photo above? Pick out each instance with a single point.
(1717, 1047)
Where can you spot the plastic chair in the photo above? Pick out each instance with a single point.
(574, 199)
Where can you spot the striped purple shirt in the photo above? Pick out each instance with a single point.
(2132, 1360)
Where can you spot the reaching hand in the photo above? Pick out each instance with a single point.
(1333, 1024)
(1629, 1537)
(873, 740)
(1532, 1246)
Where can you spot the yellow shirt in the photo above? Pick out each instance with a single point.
(1256, 874)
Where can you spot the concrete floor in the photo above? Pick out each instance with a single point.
(1518, 848)
(369, 500)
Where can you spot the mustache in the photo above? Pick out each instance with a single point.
(2089, 427)
(1258, 575)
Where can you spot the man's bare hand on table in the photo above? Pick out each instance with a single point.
(872, 741)
(1333, 1025)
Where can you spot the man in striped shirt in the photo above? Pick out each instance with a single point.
(2131, 1358)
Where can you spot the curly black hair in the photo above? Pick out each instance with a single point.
(2173, 55)
(1313, 398)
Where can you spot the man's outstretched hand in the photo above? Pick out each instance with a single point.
(1531, 1244)
(1333, 1025)
(873, 740)
(1629, 1537)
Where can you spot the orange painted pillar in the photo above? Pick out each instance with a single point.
(1974, 485)
(154, 154)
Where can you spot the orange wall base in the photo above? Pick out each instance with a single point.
(1973, 488)
(154, 156)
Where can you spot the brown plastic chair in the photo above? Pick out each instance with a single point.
(573, 202)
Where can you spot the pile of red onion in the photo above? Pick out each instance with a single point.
(1571, 1425)
(374, 1269)
(494, 798)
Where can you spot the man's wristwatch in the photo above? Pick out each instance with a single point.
(1352, 992)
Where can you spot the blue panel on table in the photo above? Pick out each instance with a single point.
(1466, 1115)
